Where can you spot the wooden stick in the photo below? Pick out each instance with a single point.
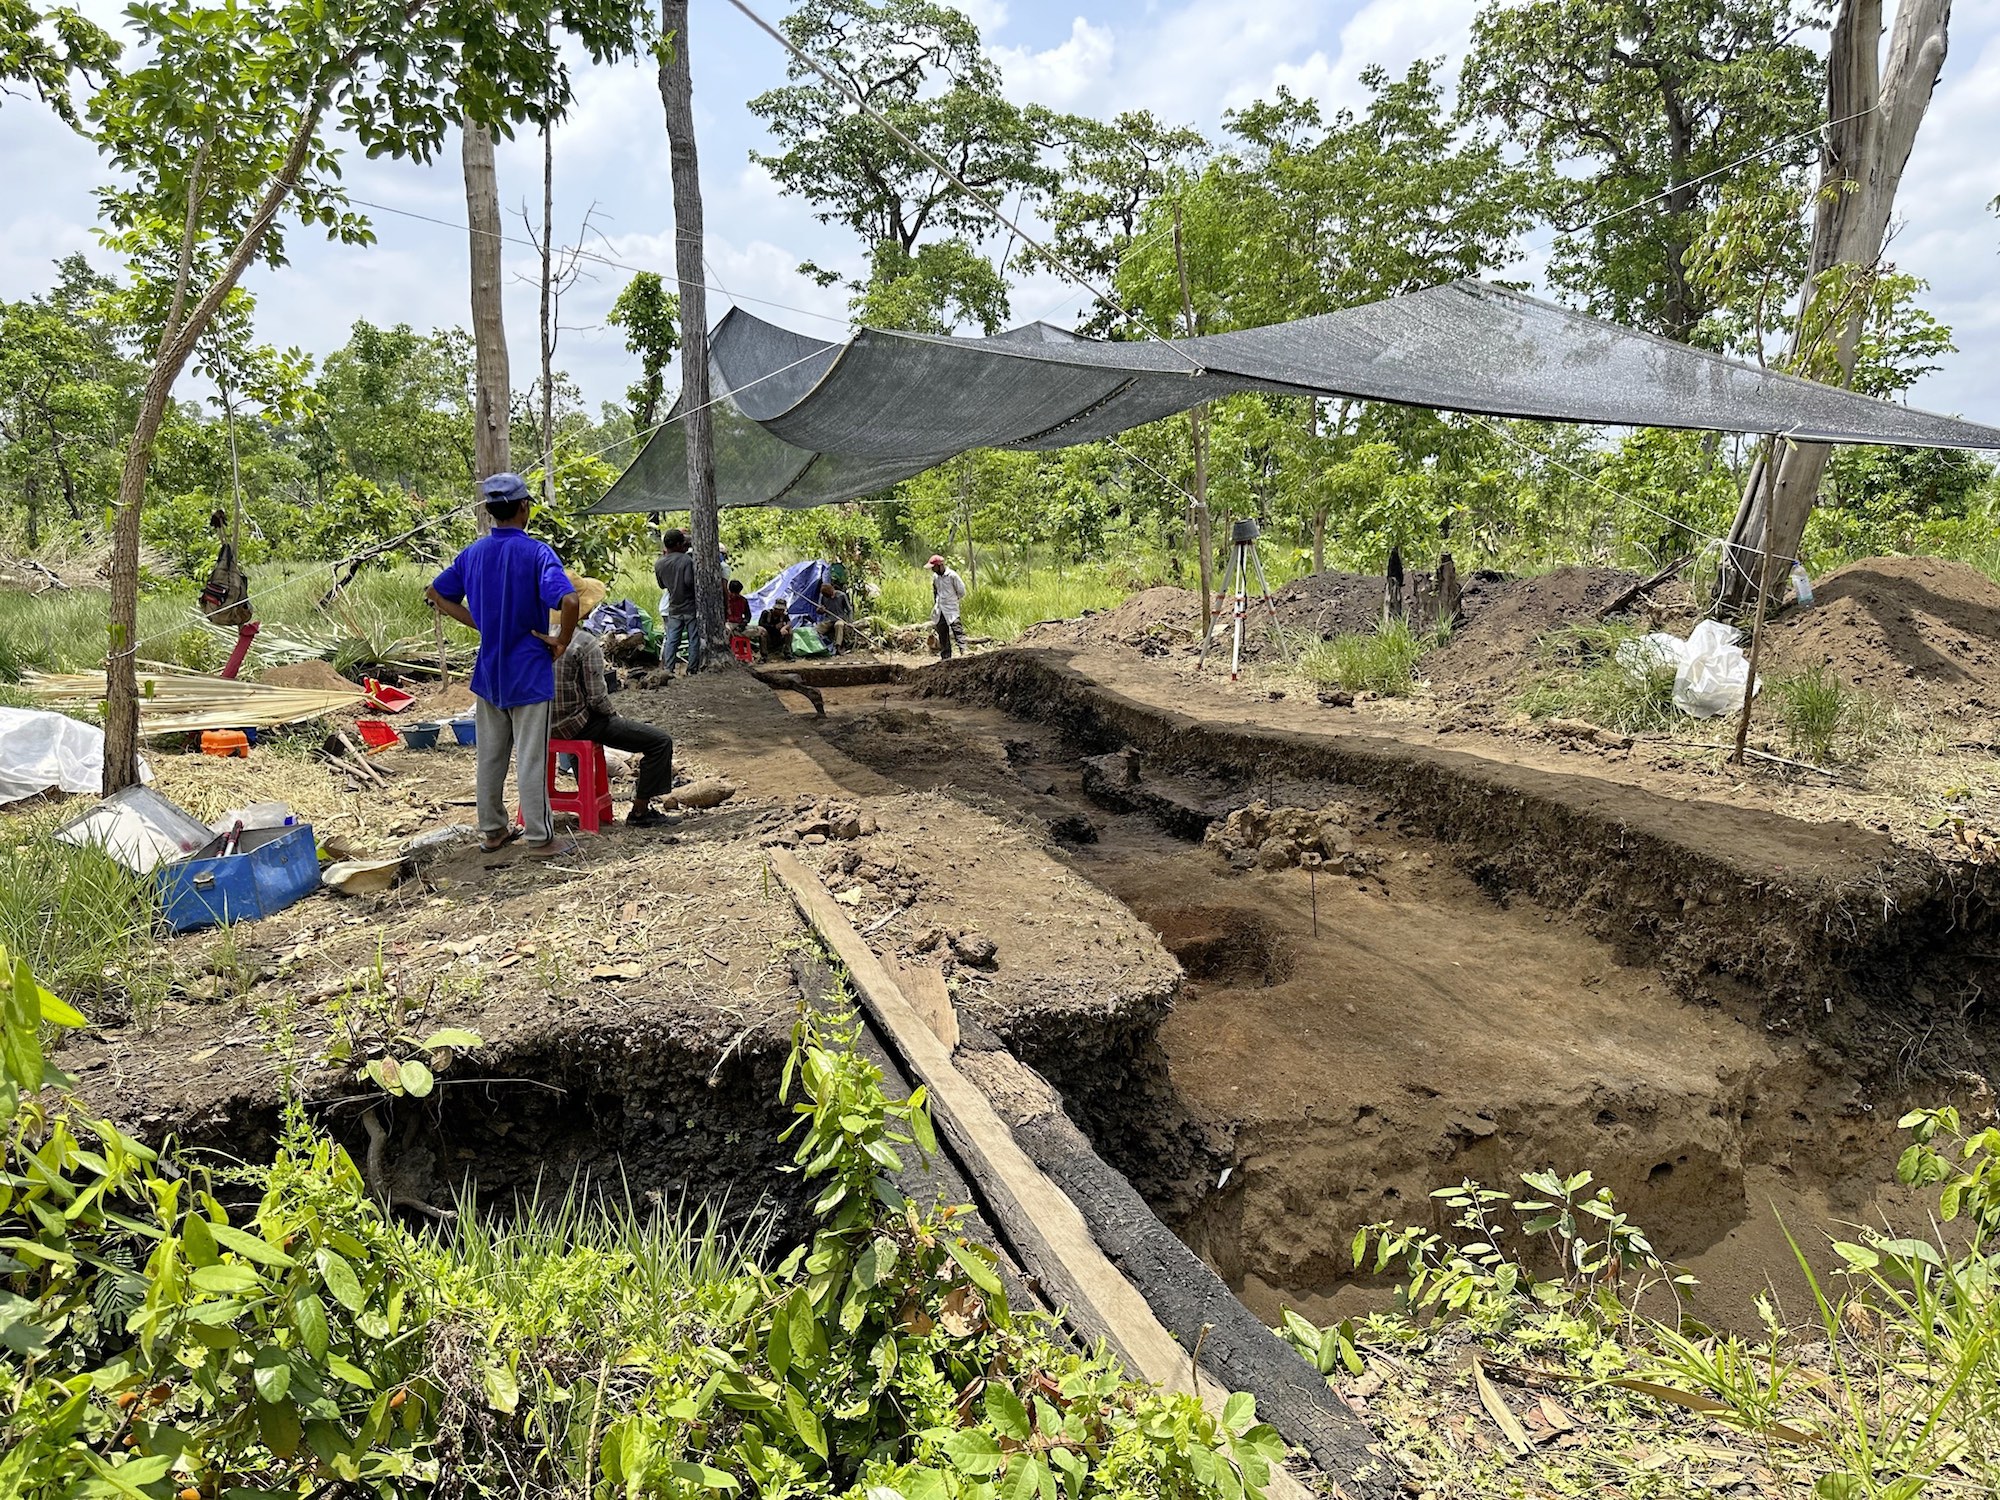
(1763, 598)
(1043, 1224)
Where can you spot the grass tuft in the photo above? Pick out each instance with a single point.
(1823, 716)
(1578, 674)
(84, 923)
(1383, 661)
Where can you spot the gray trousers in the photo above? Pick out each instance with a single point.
(519, 734)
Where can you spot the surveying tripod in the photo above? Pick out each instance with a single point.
(1236, 585)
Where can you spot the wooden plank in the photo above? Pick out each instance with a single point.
(1183, 1292)
(1044, 1226)
(925, 988)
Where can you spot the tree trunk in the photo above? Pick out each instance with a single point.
(492, 382)
(1319, 541)
(1872, 117)
(177, 340)
(677, 97)
(548, 320)
(1198, 441)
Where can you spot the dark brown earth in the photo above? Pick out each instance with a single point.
(1902, 626)
(1430, 1021)
(1503, 624)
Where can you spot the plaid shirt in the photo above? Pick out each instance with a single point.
(580, 689)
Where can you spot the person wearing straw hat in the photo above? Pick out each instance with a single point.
(583, 712)
(947, 591)
(506, 586)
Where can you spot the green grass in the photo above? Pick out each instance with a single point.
(1010, 595)
(1578, 675)
(1824, 718)
(83, 922)
(1383, 661)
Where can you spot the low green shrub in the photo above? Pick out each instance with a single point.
(282, 1335)
(1823, 716)
(1384, 661)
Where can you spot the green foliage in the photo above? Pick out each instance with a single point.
(1890, 1390)
(163, 1342)
(650, 316)
(1660, 103)
(920, 64)
(1823, 715)
(1383, 661)
(1605, 675)
(84, 922)
(931, 289)
(40, 49)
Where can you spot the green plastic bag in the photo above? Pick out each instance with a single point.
(806, 642)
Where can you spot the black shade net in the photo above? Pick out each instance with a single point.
(801, 421)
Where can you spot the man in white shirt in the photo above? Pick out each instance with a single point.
(947, 589)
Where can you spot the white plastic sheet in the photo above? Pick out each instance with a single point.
(1710, 669)
(40, 750)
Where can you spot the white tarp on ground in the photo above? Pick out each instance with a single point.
(1710, 669)
(40, 751)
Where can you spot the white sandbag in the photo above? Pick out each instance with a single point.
(1713, 672)
(40, 750)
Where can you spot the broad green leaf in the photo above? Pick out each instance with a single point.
(249, 1246)
(973, 1451)
(1239, 1413)
(454, 1037)
(341, 1280)
(976, 1266)
(272, 1373)
(198, 1241)
(353, 1374)
(503, 1392)
(224, 1279)
(804, 1421)
(417, 1079)
(704, 1476)
(309, 1314)
(1005, 1411)
(873, 1265)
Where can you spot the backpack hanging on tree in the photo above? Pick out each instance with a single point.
(225, 598)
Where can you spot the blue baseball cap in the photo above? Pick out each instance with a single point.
(506, 487)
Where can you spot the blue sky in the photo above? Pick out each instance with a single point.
(1188, 60)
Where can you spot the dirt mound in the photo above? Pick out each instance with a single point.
(1154, 620)
(319, 676)
(1901, 625)
(1506, 620)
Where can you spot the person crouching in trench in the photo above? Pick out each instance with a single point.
(582, 711)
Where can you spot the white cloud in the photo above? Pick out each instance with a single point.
(1391, 34)
(1063, 76)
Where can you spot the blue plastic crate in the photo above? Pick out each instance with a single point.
(271, 869)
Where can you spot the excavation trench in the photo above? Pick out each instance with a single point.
(1349, 1038)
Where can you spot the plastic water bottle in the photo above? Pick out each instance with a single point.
(1802, 585)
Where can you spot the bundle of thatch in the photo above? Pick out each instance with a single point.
(173, 702)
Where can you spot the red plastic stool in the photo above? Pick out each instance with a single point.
(591, 801)
(741, 648)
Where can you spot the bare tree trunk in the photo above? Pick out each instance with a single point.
(1198, 441)
(677, 97)
(177, 340)
(548, 320)
(492, 382)
(1319, 541)
(1872, 118)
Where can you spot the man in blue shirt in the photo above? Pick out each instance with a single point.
(504, 586)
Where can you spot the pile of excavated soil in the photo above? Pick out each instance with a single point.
(1898, 626)
(1156, 618)
(318, 676)
(1498, 637)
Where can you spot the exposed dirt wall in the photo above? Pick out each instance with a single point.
(1801, 920)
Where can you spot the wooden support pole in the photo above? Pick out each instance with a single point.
(1763, 602)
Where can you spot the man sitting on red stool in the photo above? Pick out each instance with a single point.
(582, 711)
